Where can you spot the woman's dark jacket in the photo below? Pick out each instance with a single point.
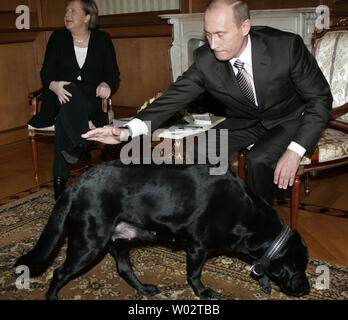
(60, 64)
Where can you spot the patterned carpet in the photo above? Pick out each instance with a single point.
(22, 221)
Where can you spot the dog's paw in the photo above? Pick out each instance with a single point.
(148, 290)
(207, 294)
(51, 297)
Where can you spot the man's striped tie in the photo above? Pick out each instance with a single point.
(244, 81)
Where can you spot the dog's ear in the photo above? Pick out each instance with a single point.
(265, 284)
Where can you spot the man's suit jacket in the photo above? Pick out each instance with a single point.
(60, 64)
(288, 84)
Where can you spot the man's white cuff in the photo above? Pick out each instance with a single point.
(138, 127)
(294, 146)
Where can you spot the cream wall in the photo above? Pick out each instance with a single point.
(131, 6)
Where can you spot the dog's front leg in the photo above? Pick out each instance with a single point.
(195, 260)
(120, 251)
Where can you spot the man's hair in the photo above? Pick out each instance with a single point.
(89, 7)
(239, 7)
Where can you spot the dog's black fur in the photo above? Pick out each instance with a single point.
(113, 205)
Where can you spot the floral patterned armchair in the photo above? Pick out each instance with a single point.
(330, 47)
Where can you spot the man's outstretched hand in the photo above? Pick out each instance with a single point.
(285, 172)
(107, 135)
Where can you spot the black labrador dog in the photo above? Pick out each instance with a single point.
(113, 205)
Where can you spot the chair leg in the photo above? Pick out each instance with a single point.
(35, 159)
(241, 166)
(307, 184)
(295, 201)
(295, 192)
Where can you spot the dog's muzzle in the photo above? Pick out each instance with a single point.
(259, 267)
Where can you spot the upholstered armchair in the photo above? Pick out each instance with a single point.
(34, 133)
(330, 47)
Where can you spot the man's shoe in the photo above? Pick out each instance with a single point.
(59, 186)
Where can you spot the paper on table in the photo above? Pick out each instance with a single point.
(202, 119)
(180, 131)
(180, 134)
(185, 128)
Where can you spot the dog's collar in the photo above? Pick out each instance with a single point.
(259, 268)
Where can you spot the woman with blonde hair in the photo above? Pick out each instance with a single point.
(78, 71)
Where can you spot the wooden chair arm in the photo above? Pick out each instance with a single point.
(34, 96)
(339, 111)
(337, 123)
(105, 103)
(36, 93)
(340, 125)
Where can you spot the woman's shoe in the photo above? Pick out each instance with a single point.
(80, 153)
(59, 186)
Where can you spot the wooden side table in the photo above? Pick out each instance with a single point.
(162, 137)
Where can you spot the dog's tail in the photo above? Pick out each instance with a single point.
(50, 235)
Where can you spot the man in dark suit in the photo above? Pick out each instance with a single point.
(275, 95)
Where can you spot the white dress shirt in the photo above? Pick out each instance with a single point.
(139, 127)
(81, 54)
(248, 65)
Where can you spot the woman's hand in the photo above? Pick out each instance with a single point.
(58, 88)
(103, 90)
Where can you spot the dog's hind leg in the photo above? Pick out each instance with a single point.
(120, 251)
(79, 255)
(194, 265)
